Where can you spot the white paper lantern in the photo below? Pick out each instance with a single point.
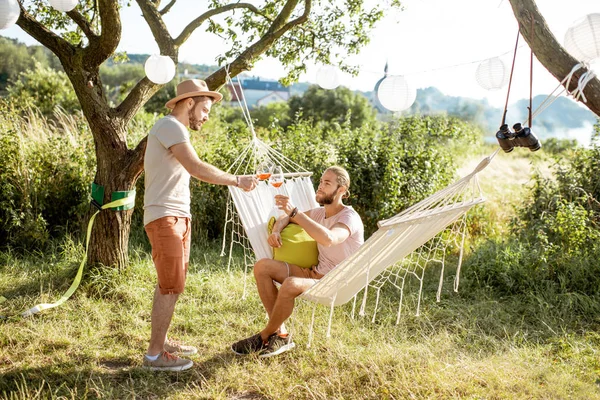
(582, 39)
(492, 74)
(160, 69)
(328, 77)
(9, 13)
(63, 5)
(395, 94)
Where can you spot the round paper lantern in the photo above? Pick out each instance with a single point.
(159, 69)
(492, 74)
(582, 39)
(63, 5)
(328, 77)
(9, 13)
(395, 94)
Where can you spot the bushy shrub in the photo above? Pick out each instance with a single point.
(45, 179)
(45, 172)
(555, 238)
(44, 88)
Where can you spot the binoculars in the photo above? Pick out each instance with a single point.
(520, 137)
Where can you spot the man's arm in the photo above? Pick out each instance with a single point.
(274, 238)
(324, 236)
(187, 156)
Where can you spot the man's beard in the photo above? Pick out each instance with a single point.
(325, 199)
(195, 123)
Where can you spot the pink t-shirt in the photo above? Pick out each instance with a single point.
(330, 257)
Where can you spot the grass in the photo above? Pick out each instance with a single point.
(469, 345)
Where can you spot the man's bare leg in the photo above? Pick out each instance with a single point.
(266, 271)
(284, 305)
(162, 312)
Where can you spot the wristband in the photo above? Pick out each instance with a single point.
(237, 181)
(294, 212)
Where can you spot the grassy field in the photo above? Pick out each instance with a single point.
(471, 345)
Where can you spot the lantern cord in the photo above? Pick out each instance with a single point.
(530, 122)
(512, 69)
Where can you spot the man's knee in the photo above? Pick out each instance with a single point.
(261, 266)
(292, 287)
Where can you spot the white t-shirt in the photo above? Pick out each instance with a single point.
(167, 182)
(330, 257)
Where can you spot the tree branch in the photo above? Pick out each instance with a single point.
(103, 46)
(52, 41)
(83, 24)
(136, 98)
(245, 60)
(191, 27)
(159, 29)
(167, 7)
(550, 52)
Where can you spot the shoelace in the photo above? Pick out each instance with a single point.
(169, 356)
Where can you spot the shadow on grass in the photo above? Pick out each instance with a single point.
(116, 378)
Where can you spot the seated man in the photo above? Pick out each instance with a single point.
(338, 231)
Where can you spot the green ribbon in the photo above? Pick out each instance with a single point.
(126, 201)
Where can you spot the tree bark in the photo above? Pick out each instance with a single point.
(550, 52)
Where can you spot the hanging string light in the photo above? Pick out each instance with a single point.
(395, 93)
(492, 74)
(582, 39)
(9, 13)
(159, 69)
(328, 77)
(63, 5)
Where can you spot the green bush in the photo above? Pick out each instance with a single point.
(45, 172)
(45, 178)
(45, 89)
(555, 239)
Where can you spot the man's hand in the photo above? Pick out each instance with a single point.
(274, 239)
(247, 183)
(283, 203)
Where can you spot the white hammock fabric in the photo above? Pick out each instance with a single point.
(255, 207)
(396, 238)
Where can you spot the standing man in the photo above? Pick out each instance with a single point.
(338, 231)
(169, 162)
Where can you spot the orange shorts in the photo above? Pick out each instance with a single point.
(170, 238)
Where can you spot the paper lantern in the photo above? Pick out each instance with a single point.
(395, 94)
(582, 39)
(63, 5)
(159, 69)
(328, 77)
(9, 13)
(492, 74)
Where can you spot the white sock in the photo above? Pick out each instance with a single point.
(152, 358)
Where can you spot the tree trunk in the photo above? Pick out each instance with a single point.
(550, 52)
(118, 167)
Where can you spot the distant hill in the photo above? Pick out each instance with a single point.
(564, 118)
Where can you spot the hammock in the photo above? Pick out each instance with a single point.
(384, 257)
(388, 256)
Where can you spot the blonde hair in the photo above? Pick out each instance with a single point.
(343, 178)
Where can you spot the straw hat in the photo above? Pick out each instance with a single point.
(193, 88)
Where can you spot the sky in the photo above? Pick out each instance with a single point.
(437, 43)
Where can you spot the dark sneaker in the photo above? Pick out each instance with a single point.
(180, 349)
(253, 344)
(167, 362)
(277, 345)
